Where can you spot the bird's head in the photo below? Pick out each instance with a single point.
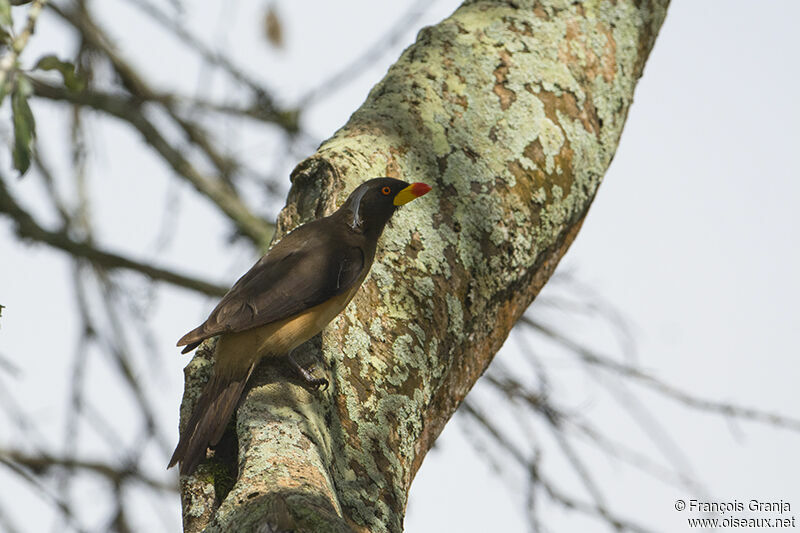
(373, 202)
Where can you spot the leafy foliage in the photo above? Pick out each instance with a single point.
(5, 13)
(24, 125)
(72, 80)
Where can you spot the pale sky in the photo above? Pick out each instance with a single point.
(693, 238)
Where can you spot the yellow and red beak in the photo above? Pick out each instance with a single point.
(415, 190)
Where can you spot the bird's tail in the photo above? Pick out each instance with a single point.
(209, 419)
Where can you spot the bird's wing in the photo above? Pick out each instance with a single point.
(304, 272)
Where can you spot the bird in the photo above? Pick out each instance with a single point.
(286, 298)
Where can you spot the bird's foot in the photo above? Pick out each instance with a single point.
(308, 377)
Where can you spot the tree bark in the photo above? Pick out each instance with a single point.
(512, 111)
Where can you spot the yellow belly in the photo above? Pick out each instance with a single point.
(237, 351)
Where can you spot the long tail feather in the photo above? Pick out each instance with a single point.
(209, 419)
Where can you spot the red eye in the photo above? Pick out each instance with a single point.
(386, 191)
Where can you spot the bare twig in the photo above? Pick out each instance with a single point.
(28, 228)
(515, 390)
(45, 463)
(19, 43)
(136, 84)
(372, 54)
(583, 473)
(41, 490)
(623, 452)
(131, 111)
(219, 191)
(623, 369)
(262, 108)
(536, 477)
(568, 502)
(117, 346)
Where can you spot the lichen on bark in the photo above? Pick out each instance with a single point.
(512, 111)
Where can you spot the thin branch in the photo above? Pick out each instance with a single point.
(23, 422)
(625, 453)
(8, 366)
(649, 424)
(288, 119)
(263, 107)
(130, 110)
(583, 472)
(514, 390)
(135, 83)
(43, 491)
(372, 54)
(28, 228)
(568, 502)
(537, 477)
(9, 61)
(118, 346)
(220, 191)
(43, 463)
(46, 174)
(670, 391)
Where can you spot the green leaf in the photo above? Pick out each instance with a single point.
(24, 126)
(4, 87)
(5, 13)
(72, 80)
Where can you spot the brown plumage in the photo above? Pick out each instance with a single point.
(286, 298)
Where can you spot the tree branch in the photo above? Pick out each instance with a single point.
(28, 228)
(131, 111)
(263, 108)
(514, 128)
(723, 408)
(42, 463)
(371, 54)
(9, 60)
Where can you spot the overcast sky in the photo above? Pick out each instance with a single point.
(693, 236)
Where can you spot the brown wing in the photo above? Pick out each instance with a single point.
(304, 269)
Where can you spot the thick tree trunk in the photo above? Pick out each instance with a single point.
(512, 112)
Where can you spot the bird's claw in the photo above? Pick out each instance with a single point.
(321, 384)
(308, 377)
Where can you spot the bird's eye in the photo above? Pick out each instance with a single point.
(386, 191)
